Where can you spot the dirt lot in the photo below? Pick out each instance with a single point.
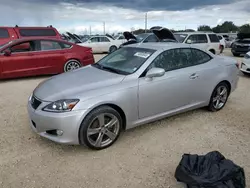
(143, 157)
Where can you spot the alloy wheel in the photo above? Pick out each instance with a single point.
(103, 130)
(220, 97)
(72, 65)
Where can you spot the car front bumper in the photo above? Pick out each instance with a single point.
(46, 124)
(245, 66)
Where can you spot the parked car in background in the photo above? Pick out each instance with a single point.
(205, 40)
(241, 45)
(102, 44)
(38, 56)
(12, 33)
(159, 34)
(245, 65)
(222, 43)
(134, 85)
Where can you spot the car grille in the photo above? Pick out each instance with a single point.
(242, 47)
(35, 103)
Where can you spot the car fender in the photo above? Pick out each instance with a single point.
(123, 98)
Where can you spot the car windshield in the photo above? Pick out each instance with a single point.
(125, 60)
(141, 37)
(180, 37)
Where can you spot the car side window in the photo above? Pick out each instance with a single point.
(22, 47)
(104, 39)
(151, 38)
(200, 57)
(173, 59)
(49, 45)
(94, 39)
(121, 37)
(198, 38)
(213, 38)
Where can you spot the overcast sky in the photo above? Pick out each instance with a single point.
(119, 15)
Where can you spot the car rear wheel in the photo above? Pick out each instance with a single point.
(72, 65)
(112, 49)
(219, 97)
(100, 128)
(212, 51)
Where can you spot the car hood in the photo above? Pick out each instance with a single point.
(128, 35)
(163, 33)
(75, 82)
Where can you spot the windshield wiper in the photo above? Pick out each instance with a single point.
(111, 69)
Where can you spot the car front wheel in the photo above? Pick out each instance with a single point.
(219, 97)
(100, 128)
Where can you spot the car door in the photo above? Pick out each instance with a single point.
(198, 40)
(20, 62)
(50, 56)
(94, 42)
(104, 44)
(174, 90)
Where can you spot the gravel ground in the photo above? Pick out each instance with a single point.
(143, 157)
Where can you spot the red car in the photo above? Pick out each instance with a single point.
(38, 56)
(12, 33)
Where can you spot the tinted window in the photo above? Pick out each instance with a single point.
(125, 60)
(151, 38)
(104, 39)
(213, 38)
(94, 39)
(37, 32)
(173, 59)
(201, 38)
(4, 33)
(200, 57)
(49, 45)
(180, 37)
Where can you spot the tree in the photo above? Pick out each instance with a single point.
(245, 28)
(226, 27)
(204, 28)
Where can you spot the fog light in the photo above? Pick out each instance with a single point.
(59, 132)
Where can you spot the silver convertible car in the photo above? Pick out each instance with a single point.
(134, 85)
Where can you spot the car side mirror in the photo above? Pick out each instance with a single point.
(189, 41)
(7, 52)
(155, 72)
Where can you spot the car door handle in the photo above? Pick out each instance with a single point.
(194, 76)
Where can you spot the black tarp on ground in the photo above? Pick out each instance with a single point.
(209, 171)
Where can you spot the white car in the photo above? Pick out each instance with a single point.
(245, 65)
(222, 42)
(207, 41)
(102, 43)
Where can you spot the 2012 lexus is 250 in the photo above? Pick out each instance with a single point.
(134, 85)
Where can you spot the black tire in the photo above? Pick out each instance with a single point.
(236, 54)
(91, 118)
(211, 106)
(73, 63)
(112, 49)
(212, 51)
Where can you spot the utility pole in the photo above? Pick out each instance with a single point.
(104, 28)
(146, 21)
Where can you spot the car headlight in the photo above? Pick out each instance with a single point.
(247, 56)
(64, 105)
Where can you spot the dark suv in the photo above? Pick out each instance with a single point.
(241, 45)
